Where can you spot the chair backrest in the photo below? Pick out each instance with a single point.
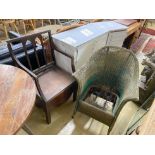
(112, 67)
(44, 60)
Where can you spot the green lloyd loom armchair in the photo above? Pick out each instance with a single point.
(111, 67)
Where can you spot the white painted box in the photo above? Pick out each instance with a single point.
(81, 42)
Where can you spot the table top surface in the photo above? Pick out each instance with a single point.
(17, 98)
(133, 28)
(130, 30)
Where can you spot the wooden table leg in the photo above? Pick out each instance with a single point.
(27, 129)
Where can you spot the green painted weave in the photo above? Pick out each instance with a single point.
(113, 67)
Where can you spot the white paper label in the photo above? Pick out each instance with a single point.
(69, 40)
(87, 32)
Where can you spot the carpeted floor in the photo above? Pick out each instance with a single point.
(145, 44)
(63, 124)
(140, 43)
(149, 31)
(149, 46)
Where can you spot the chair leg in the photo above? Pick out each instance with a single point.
(55, 21)
(15, 27)
(75, 87)
(109, 130)
(75, 110)
(42, 22)
(74, 96)
(5, 30)
(10, 26)
(34, 23)
(31, 23)
(111, 126)
(49, 21)
(24, 26)
(47, 114)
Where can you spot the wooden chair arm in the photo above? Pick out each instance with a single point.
(67, 55)
(23, 67)
(33, 76)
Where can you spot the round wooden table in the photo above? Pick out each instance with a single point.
(17, 98)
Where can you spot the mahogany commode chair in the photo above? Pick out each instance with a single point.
(54, 85)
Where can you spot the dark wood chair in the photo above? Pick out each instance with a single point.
(54, 84)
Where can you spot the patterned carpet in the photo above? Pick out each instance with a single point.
(140, 43)
(145, 44)
(149, 31)
(149, 46)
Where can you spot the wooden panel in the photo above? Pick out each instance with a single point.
(61, 98)
(17, 97)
